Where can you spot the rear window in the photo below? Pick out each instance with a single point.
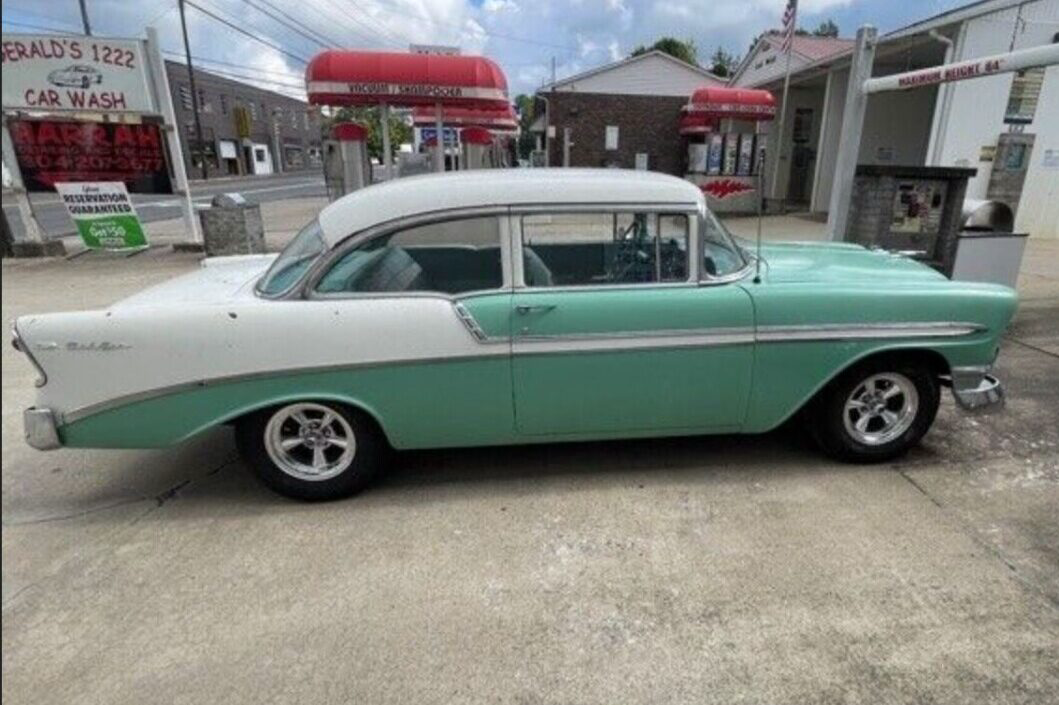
(294, 261)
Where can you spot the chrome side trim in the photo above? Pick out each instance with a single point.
(147, 394)
(862, 331)
(40, 429)
(665, 340)
(18, 344)
(469, 322)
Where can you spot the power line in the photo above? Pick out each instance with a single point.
(240, 30)
(286, 24)
(375, 26)
(246, 67)
(371, 37)
(321, 35)
(39, 27)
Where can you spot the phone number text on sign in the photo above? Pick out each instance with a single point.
(53, 151)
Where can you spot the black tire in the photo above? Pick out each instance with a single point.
(352, 474)
(829, 414)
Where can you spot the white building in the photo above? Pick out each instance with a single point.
(1006, 126)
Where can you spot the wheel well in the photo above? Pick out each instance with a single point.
(932, 359)
(366, 415)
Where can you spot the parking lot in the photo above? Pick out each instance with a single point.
(696, 570)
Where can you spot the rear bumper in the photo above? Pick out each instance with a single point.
(977, 391)
(40, 428)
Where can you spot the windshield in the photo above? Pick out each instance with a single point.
(721, 256)
(294, 261)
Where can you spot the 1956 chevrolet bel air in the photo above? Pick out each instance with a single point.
(494, 307)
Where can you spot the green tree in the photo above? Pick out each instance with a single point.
(370, 117)
(526, 113)
(827, 28)
(685, 50)
(722, 63)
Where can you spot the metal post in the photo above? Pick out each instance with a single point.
(194, 93)
(780, 130)
(849, 137)
(30, 226)
(384, 123)
(160, 82)
(439, 156)
(84, 17)
(566, 146)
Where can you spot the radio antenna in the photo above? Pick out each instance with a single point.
(760, 198)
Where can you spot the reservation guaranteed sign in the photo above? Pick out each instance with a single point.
(50, 151)
(90, 74)
(104, 215)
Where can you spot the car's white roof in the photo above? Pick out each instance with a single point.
(412, 195)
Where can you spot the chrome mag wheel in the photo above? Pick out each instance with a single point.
(880, 408)
(310, 441)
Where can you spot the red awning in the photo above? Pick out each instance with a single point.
(504, 119)
(694, 124)
(341, 77)
(735, 103)
(349, 132)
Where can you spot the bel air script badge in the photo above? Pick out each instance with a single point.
(75, 346)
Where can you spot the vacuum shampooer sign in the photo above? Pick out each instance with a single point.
(42, 72)
(104, 215)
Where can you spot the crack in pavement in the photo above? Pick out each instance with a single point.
(1031, 346)
(971, 533)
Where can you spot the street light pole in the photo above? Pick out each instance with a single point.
(84, 17)
(194, 94)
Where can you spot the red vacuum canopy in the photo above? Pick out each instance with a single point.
(735, 103)
(346, 77)
(503, 119)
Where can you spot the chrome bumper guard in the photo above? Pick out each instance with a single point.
(41, 430)
(976, 391)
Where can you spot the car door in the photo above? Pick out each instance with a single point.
(613, 333)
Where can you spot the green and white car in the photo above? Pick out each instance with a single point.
(521, 306)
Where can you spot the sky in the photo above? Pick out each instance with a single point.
(523, 36)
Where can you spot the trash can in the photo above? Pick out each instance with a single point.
(232, 226)
(987, 250)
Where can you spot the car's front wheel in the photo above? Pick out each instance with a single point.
(876, 411)
(311, 450)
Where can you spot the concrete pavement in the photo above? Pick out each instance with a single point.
(701, 570)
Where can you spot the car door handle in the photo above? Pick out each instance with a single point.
(523, 309)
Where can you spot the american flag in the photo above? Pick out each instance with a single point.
(789, 19)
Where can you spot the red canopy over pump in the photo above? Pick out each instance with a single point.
(349, 131)
(735, 103)
(504, 119)
(692, 124)
(346, 77)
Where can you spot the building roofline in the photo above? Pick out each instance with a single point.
(956, 14)
(773, 38)
(550, 87)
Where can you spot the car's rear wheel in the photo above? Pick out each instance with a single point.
(311, 450)
(876, 411)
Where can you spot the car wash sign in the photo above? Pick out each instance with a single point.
(89, 74)
(104, 215)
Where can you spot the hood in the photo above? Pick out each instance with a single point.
(218, 280)
(840, 262)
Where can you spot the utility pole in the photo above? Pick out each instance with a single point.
(194, 94)
(84, 17)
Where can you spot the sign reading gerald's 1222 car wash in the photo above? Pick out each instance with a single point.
(104, 214)
(43, 72)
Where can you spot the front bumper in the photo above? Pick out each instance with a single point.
(977, 391)
(40, 428)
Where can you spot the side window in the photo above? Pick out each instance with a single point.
(449, 257)
(594, 249)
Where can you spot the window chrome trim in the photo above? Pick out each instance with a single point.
(307, 289)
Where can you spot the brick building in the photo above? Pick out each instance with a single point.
(623, 114)
(245, 129)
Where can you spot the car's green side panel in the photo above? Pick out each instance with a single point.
(418, 405)
(788, 373)
(656, 386)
